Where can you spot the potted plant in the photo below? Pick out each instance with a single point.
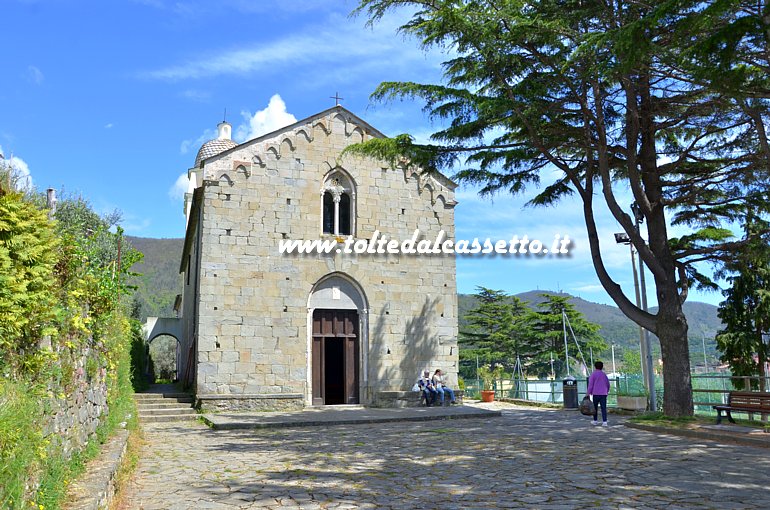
(632, 399)
(488, 376)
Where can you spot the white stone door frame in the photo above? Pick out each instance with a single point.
(358, 303)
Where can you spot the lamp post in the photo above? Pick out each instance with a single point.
(647, 344)
(641, 302)
(622, 238)
(615, 372)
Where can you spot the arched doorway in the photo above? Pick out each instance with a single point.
(337, 317)
(163, 359)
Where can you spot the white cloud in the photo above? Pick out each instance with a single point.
(179, 188)
(34, 75)
(355, 50)
(589, 288)
(273, 117)
(188, 145)
(240, 62)
(200, 8)
(199, 96)
(108, 125)
(20, 170)
(134, 225)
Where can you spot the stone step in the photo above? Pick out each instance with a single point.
(162, 418)
(165, 401)
(153, 396)
(167, 410)
(161, 400)
(159, 405)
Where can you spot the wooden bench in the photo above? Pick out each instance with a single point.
(745, 402)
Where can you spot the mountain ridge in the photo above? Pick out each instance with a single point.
(160, 282)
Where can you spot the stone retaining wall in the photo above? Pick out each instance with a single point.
(77, 408)
(246, 402)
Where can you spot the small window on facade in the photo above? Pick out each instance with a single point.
(344, 225)
(328, 220)
(338, 205)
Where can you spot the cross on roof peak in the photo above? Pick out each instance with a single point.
(336, 98)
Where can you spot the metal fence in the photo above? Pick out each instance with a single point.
(712, 389)
(708, 390)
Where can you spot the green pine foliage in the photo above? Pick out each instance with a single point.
(502, 329)
(548, 335)
(497, 329)
(665, 100)
(746, 310)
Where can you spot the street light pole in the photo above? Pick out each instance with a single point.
(566, 345)
(646, 343)
(615, 372)
(622, 238)
(641, 301)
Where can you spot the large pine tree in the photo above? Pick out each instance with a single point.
(745, 312)
(498, 329)
(549, 327)
(610, 98)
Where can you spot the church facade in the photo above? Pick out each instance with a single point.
(263, 329)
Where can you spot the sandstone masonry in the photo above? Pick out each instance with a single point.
(252, 334)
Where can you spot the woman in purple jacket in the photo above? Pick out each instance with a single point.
(598, 388)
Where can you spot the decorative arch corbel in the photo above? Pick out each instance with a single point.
(257, 160)
(304, 132)
(288, 142)
(243, 169)
(320, 123)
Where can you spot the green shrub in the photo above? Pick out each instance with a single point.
(61, 284)
(22, 447)
(57, 472)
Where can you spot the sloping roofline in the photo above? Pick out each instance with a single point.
(198, 192)
(369, 129)
(340, 109)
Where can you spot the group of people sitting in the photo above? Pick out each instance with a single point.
(434, 387)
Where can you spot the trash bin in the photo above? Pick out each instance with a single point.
(569, 385)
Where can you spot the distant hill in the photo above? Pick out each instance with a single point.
(160, 281)
(619, 329)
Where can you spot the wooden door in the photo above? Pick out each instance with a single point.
(335, 356)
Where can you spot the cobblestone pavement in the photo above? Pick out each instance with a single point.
(529, 458)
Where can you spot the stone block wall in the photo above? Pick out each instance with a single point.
(253, 317)
(77, 410)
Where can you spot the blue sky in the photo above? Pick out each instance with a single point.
(113, 99)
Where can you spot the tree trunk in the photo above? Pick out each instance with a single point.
(677, 385)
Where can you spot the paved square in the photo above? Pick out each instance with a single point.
(528, 458)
